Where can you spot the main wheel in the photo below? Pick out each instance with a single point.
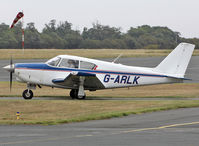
(27, 94)
(81, 97)
(73, 93)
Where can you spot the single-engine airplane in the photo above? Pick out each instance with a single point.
(80, 74)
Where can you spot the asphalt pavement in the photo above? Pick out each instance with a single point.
(167, 128)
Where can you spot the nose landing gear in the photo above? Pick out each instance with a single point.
(27, 94)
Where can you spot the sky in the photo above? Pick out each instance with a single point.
(179, 15)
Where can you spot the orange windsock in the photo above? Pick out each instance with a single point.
(19, 16)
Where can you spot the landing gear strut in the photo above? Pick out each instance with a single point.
(27, 94)
(79, 93)
(74, 94)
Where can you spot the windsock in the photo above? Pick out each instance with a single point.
(19, 16)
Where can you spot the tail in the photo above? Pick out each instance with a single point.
(175, 64)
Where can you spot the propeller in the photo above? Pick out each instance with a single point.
(11, 65)
(10, 68)
(11, 74)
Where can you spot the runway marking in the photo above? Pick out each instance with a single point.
(161, 127)
(83, 135)
(89, 135)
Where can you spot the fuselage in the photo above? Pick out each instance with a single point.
(111, 75)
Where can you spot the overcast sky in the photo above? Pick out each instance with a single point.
(179, 15)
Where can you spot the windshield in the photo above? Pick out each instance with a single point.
(54, 61)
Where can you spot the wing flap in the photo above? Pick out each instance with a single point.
(91, 81)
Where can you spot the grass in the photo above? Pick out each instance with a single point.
(90, 53)
(163, 90)
(49, 112)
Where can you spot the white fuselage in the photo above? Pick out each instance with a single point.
(111, 75)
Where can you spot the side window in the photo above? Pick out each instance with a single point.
(69, 63)
(87, 65)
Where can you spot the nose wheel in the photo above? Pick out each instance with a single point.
(27, 94)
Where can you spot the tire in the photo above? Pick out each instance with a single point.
(73, 93)
(81, 98)
(27, 95)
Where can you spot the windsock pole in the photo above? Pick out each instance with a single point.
(22, 30)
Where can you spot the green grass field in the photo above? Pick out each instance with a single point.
(65, 111)
(91, 53)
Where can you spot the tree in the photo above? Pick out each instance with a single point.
(64, 28)
(32, 36)
(50, 27)
(7, 39)
(129, 41)
(62, 35)
(101, 32)
(158, 37)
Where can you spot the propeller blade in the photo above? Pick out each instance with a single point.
(11, 61)
(10, 81)
(11, 73)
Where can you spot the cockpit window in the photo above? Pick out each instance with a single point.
(69, 63)
(54, 61)
(87, 65)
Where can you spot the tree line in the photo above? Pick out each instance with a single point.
(62, 36)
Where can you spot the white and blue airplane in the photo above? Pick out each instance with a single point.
(80, 74)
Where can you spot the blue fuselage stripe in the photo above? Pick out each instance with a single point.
(43, 66)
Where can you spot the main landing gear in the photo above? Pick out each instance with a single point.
(79, 93)
(74, 94)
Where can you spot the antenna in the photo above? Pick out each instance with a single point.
(117, 58)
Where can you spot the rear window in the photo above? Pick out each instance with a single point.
(87, 65)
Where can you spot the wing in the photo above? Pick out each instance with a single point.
(91, 82)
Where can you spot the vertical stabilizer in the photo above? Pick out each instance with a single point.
(175, 64)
